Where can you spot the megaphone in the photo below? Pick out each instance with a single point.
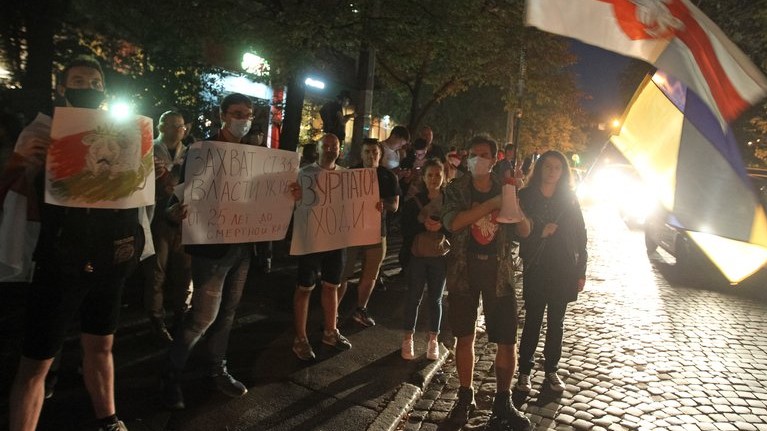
(510, 211)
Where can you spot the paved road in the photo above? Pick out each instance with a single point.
(639, 353)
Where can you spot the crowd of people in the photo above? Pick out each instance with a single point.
(443, 203)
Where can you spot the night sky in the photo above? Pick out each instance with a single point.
(597, 73)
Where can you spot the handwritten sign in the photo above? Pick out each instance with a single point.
(237, 193)
(98, 161)
(337, 210)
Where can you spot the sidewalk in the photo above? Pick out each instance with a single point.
(367, 388)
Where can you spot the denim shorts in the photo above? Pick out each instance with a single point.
(500, 312)
(327, 265)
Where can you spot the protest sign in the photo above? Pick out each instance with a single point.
(237, 193)
(99, 161)
(337, 210)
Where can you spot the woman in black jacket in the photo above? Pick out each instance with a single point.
(554, 258)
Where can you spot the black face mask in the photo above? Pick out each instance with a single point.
(84, 97)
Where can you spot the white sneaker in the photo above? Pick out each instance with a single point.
(556, 384)
(432, 349)
(523, 383)
(407, 349)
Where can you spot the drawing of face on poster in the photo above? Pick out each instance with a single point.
(96, 161)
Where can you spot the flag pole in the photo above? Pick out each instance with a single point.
(516, 122)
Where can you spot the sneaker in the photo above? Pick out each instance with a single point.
(172, 395)
(523, 383)
(114, 426)
(361, 316)
(556, 384)
(432, 349)
(459, 415)
(335, 339)
(228, 385)
(407, 349)
(303, 349)
(504, 410)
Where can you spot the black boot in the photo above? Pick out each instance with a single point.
(505, 412)
(225, 383)
(462, 409)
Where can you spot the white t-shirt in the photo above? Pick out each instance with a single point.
(390, 158)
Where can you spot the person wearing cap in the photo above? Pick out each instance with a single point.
(333, 117)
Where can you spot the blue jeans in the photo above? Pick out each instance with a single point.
(430, 271)
(552, 348)
(218, 285)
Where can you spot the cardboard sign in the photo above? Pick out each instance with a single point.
(237, 193)
(98, 161)
(337, 210)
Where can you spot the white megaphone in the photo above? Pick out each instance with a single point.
(510, 211)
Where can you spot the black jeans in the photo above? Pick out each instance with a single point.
(552, 349)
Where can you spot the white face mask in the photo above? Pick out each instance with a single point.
(238, 128)
(479, 165)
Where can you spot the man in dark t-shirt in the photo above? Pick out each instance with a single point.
(372, 255)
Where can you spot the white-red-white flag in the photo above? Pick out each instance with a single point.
(673, 35)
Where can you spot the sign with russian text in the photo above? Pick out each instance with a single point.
(97, 160)
(237, 193)
(337, 210)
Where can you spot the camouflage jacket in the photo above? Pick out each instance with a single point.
(457, 199)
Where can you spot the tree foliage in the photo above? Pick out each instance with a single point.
(428, 51)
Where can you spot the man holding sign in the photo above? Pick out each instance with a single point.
(373, 254)
(329, 264)
(83, 255)
(219, 271)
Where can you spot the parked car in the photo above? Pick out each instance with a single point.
(663, 230)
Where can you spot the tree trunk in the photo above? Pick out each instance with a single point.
(291, 123)
(42, 23)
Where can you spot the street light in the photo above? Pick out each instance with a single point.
(316, 83)
(255, 64)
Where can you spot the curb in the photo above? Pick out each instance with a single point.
(408, 395)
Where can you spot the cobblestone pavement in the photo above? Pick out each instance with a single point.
(638, 354)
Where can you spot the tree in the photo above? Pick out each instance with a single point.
(432, 51)
(143, 60)
(428, 50)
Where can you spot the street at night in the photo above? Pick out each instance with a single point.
(367, 215)
(639, 352)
